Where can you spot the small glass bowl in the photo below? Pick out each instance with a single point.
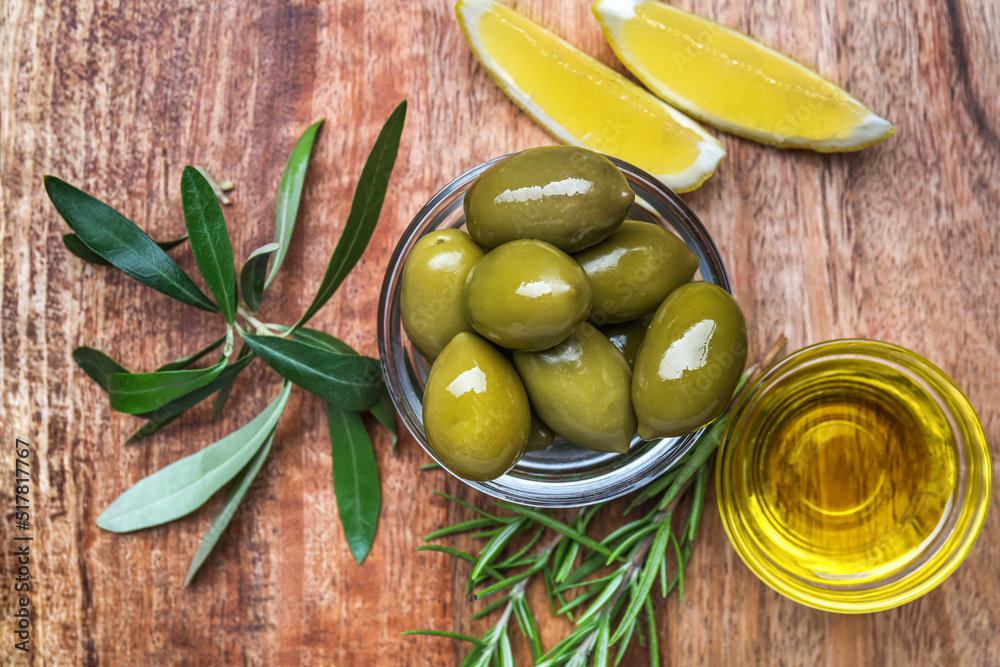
(562, 475)
(747, 480)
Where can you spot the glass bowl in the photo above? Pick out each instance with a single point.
(782, 476)
(562, 475)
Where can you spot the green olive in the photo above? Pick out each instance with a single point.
(690, 361)
(526, 295)
(627, 337)
(580, 388)
(432, 289)
(476, 412)
(541, 435)
(632, 271)
(570, 197)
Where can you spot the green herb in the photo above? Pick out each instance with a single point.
(321, 364)
(606, 585)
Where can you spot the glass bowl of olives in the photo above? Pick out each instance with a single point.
(553, 472)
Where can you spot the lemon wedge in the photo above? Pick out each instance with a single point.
(583, 102)
(733, 82)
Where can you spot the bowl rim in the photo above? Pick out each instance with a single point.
(934, 566)
(636, 471)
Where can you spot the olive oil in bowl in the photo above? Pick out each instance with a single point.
(854, 476)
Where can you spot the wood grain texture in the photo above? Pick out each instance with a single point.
(897, 242)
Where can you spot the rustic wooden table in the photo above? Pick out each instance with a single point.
(897, 242)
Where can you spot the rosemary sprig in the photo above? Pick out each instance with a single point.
(607, 586)
(349, 383)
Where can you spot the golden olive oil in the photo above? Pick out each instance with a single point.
(850, 472)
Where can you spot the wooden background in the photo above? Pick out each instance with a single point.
(897, 242)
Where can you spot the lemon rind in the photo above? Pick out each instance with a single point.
(710, 150)
(611, 15)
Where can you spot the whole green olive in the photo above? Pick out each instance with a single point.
(627, 337)
(476, 412)
(580, 388)
(526, 295)
(690, 361)
(432, 304)
(632, 271)
(541, 435)
(567, 196)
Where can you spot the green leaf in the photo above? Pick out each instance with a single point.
(253, 273)
(355, 479)
(365, 209)
(167, 245)
(601, 652)
(526, 621)
(654, 649)
(206, 228)
(555, 524)
(461, 555)
(385, 412)
(492, 548)
(610, 589)
(164, 415)
(653, 558)
(350, 381)
(184, 485)
(136, 393)
(464, 527)
(289, 193)
(698, 502)
(235, 495)
(184, 362)
(97, 365)
(322, 339)
(80, 249)
(244, 356)
(121, 243)
(440, 633)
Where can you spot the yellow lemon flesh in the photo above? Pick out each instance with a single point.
(733, 82)
(582, 102)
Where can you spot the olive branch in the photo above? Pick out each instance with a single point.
(323, 365)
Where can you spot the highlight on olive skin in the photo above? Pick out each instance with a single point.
(433, 287)
(476, 412)
(690, 361)
(527, 295)
(564, 195)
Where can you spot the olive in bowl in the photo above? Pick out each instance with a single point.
(561, 474)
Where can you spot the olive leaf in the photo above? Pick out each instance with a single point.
(322, 364)
(385, 412)
(136, 393)
(80, 249)
(97, 365)
(234, 496)
(351, 381)
(206, 228)
(246, 354)
(253, 273)
(165, 414)
(118, 241)
(184, 362)
(182, 486)
(369, 194)
(355, 479)
(289, 193)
